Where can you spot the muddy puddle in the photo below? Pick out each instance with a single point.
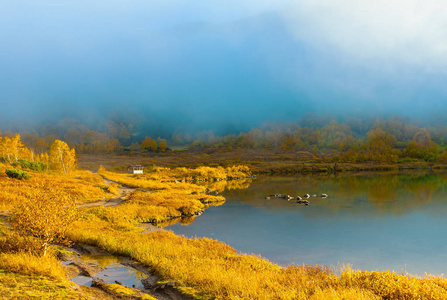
(108, 268)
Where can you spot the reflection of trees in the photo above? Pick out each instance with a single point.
(187, 220)
(379, 188)
(424, 188)
(183, 221)
(396, 193)
(383, 189)
(223, 185)
(168, 223)
(357, 195)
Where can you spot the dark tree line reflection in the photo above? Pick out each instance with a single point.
(363, 195)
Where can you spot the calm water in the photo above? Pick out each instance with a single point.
(113, 271)
(384, 222)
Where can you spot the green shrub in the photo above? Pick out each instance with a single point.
(31, 165)
(17, 174)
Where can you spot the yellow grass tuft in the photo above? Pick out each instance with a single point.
(29, 264)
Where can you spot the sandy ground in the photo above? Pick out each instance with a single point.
(117, 200)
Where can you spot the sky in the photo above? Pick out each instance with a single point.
(215, 65)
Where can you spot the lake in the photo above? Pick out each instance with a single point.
(394, 222)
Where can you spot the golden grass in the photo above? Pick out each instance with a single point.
(156, 207)
(14, 191)
(119, 290)
(137, 181)
(29, 264)
(166, 199)
(18, 286)
(166, 178)
(89, 177)
(205, 268)
(210, 269)
(113, 189)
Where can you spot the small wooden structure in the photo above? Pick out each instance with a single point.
(135, 169)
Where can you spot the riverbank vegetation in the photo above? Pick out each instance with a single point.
(202, 267)
(209, 269)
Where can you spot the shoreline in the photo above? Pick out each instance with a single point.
(258, 162)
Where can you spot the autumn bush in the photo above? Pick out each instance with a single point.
(45, 216)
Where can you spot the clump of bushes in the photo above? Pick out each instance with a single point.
(17, 174)
(31, 165)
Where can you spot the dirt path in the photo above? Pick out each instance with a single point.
(123, 192)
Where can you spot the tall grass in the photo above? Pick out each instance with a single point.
(211, 269)
(157, 207)
(30, 264)
(13, 191)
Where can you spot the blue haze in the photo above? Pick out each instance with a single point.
(194, 66)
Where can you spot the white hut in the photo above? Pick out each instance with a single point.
(135, 169)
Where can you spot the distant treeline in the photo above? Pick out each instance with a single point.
(384, 141)
(354, 140)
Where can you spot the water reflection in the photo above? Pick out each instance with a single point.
(113, 271)
(228, 185)
(183, 221)
(215, 186)
(372, 221)
(385, 193)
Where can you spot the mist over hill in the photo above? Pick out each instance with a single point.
(167, 68)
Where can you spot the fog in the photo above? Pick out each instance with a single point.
(223, 66)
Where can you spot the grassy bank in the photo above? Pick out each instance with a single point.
(209, 269)
(204, 268)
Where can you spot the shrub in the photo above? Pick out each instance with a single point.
(17, 174)
(45, 216)
(31, 165)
